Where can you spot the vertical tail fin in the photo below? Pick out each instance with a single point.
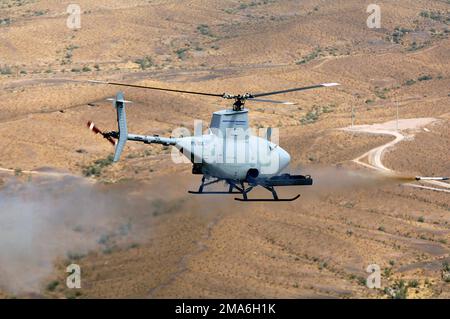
(119, 104)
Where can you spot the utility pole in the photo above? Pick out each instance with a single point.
(396, 104)
(397, 115)
(353, 115)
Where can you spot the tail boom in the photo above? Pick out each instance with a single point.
(152, 139)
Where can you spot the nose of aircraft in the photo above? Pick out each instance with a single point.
(285, 158)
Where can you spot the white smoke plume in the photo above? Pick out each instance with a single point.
(43, 220)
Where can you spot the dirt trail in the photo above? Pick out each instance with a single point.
(404, 129)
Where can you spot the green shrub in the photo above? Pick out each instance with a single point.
(313, 55)
(414, 46)
(204, 30)
(398, 34)
(446, 271)
(5, 21)
(39, 13)
(96, 168)
(181, 53)
(413, 283)
(314, 114)
(5, 70)
(425, 78)
(398, 291)
(145, 63)
(51, 286)
(436, 16)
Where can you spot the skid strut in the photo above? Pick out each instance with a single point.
(240, 188)
(204, 183)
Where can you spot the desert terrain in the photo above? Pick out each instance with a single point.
(133, 228)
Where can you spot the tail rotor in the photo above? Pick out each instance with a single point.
(120, 137)
(96, 130)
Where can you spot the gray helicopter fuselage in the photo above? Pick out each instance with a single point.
(234, 156)
(230, 150)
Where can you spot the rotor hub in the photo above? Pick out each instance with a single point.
(239, 100)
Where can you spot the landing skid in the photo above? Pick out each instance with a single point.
(212, 193)
(234, 188)
(268, 199)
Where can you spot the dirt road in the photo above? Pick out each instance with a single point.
(405, 128)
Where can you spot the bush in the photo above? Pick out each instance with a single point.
(73, 256)
(413, 283)
(397, 291)
(6, 21)
(310, 117)
(96, 168)
(204, 30)
(446, 271)
(145, 62)
(51, 286)
(425, 78)
(6, 70)
(181, 53)
(39, 13)
(414, 46)
(316, 53)
(314, 114)
(398, 34)
(421, 219)
(435, 15)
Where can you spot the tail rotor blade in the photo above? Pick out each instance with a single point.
(96, 130)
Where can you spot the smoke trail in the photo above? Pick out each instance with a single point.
(46, 219)
(335, 179)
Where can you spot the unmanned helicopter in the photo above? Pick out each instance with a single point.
(229, 152)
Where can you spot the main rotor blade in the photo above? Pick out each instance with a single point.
(296, 89)
(156, 88)
(271, 101)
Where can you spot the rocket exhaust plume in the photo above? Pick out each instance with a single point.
(340, 178)
(46, 219)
